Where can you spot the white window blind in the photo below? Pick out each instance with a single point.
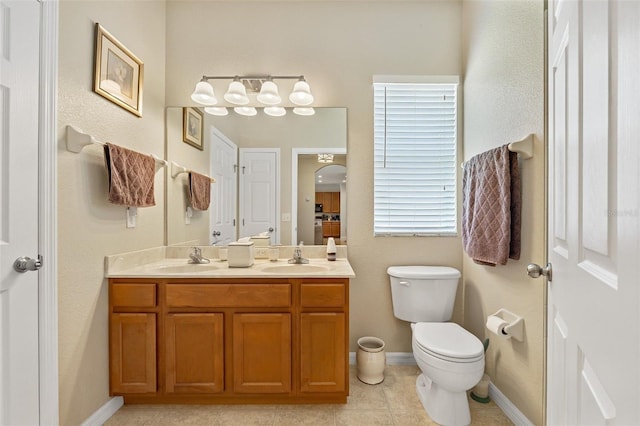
(415, 159)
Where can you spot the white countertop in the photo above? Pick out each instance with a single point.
(172, 262)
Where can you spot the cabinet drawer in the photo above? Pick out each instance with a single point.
(322, 295)
(127, 295)
(228, 295)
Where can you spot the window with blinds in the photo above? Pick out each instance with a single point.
(415, 159)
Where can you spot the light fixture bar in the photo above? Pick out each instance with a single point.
(252, 77)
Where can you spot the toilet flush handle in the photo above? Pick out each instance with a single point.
(405, 283)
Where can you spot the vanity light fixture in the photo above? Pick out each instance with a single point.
(275, 111)
(219, 111)
(304, 111)
(203, 93)
(325, 158)
(247, 111)
(244, 89)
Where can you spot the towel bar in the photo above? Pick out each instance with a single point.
(177, 169)
(76, 141)
(524, 148)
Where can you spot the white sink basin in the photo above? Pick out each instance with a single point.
(187, 268)
(293, 268)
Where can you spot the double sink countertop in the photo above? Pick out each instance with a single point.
(172, 262)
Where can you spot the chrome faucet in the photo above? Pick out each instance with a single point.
(196, 256)
(297, 255)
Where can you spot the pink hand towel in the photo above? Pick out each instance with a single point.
(199, 191)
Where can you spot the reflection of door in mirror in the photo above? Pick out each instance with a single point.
(315, 227)
(259, 199)
(224, 154)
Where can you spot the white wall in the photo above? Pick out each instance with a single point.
(338, 46)
(88, 226)
(504, 101)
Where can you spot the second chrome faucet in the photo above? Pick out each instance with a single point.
(297, 256)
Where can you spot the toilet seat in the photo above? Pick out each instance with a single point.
(448, 341)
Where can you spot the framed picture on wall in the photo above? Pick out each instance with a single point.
(192, 127)
(118, 73)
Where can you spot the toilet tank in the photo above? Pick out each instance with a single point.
(423, 293)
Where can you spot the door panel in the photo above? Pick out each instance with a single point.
(224, 192)
(19, 85)
(259, 192)
(593, 299)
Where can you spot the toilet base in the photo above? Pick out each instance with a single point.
(444, 407)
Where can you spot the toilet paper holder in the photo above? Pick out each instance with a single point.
(515, 324)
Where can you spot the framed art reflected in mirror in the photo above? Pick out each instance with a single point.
(192, 125)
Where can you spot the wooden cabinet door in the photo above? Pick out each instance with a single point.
(323, 352)
(262, 353)
(327, 205)
(335, 202)
(194, 348)
(335, 229)
(133, 353)
(319, 199)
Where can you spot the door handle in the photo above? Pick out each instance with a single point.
(216, 233)
(270, 229)
(24, 264)
(534, 270)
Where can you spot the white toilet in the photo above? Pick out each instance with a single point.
(451, 359)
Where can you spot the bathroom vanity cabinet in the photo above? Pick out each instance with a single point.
(229, 340)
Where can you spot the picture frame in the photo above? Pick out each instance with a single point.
(118, 73)
(192, 127)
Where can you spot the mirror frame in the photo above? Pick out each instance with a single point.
(295, 152)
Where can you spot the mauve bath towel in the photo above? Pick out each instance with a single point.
(131, 176)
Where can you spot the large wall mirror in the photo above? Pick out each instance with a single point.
(266, 171)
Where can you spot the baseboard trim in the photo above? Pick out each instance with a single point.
(507, 407)
(393, 358)
(105, 412)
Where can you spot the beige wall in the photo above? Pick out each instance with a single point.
(338, 46)
(504, 101)
(88, 226)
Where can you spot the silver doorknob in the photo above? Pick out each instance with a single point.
(534, 270)
(270, 229)
(216, 233)
(24, 264)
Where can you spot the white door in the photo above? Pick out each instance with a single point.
(259, 192)
(224, 162)
(19, 82)
(593, 233)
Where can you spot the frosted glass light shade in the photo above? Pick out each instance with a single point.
(301, 94)
(236, 94)
(219, 111)
(203, 94)
(304, 111)
(275, 111)
(246, 111)
(269, 94)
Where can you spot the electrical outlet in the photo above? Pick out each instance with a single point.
(261, 252)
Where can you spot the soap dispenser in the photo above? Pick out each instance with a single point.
(331, 249)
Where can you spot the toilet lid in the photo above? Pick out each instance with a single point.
(423, 272)
(448, 340)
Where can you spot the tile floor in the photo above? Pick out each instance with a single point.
(393, 402)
